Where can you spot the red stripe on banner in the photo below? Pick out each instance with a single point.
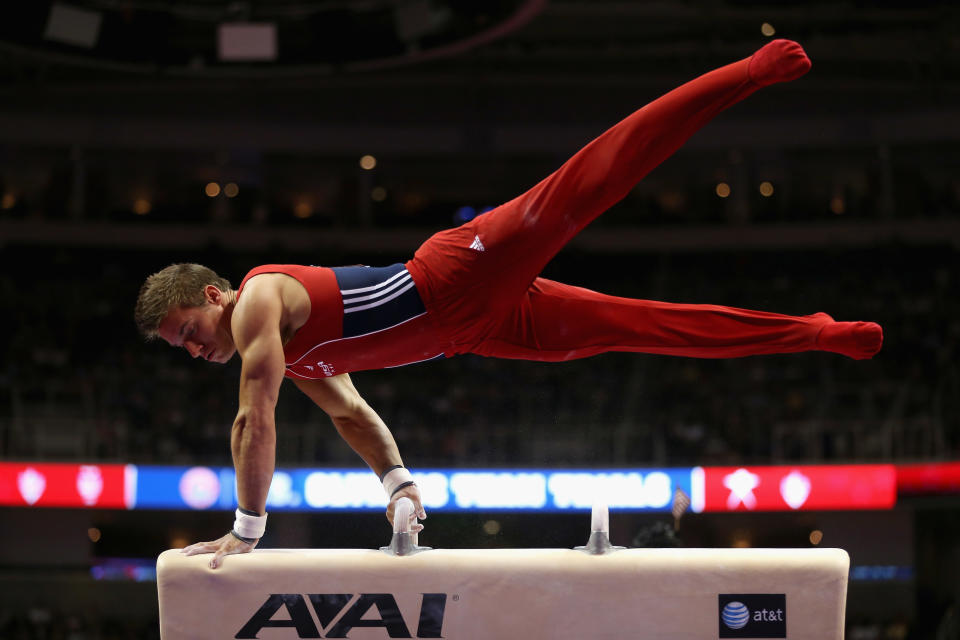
(794, 488)
(926, 479)
(26, 484)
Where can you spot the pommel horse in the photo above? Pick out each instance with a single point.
(593, 592)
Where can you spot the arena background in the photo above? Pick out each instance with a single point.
(130, 140)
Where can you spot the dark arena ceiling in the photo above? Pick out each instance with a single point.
(889, 52)
(192, 38)
(462, 102)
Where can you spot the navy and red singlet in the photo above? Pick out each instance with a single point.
(361, 318)
(475, 288)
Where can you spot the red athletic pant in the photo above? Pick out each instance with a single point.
(479, 281)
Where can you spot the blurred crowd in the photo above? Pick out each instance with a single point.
(308, 191)
(77, 383)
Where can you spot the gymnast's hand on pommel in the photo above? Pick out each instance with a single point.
(228, 544)
(413, 493)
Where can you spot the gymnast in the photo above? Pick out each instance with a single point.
(472, 289)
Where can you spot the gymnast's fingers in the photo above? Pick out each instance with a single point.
(391, 507)
(227, 545)
(412, 492)
(199, 547)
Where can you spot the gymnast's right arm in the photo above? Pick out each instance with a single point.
(256, 331)
(367, 434)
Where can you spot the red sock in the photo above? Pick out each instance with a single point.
(858, 340)
(778, 61)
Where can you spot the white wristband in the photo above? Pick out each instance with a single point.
(394, 479)
(250, 526)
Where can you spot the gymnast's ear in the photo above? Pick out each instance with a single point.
(212, 294)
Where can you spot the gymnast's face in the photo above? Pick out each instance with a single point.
(203, 331)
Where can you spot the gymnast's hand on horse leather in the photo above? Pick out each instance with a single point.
(225, 546)
(413, 493)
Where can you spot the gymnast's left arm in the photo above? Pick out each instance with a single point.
(255, 324)
(368, 435)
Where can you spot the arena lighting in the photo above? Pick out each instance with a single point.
(72, 25)
(711, 489)
(767, 29)
(463, 214)
(125, 569)
(741, 539)
(837, 205)
(302, 210)
(141, 206)
(415, 19)
(491, 527)
(723, 189)
(247, 42)
(881, 573)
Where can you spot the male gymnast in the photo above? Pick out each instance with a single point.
(472, 289)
